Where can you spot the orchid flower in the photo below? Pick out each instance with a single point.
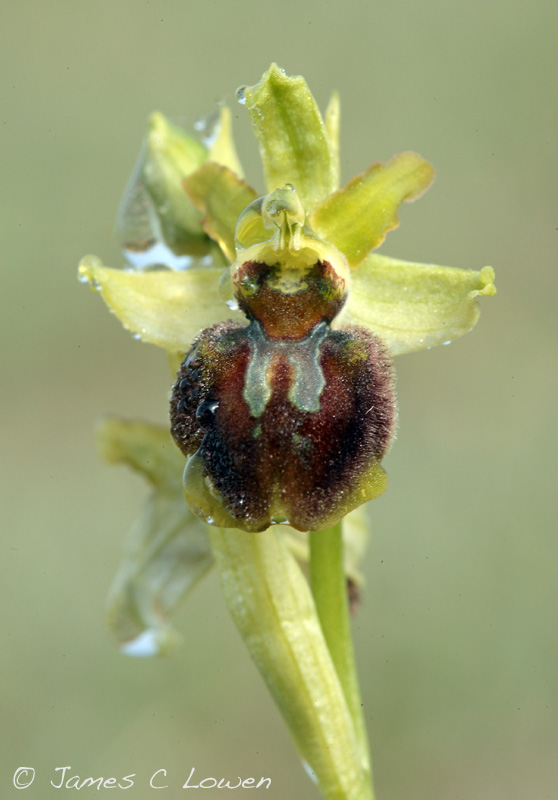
(280, 322)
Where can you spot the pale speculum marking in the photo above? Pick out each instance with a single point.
(307, 378)
(285, 418)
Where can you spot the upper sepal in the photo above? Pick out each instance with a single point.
(295, 146)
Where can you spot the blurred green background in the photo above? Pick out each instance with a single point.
(456, 637)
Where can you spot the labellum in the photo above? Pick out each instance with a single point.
(284, 420)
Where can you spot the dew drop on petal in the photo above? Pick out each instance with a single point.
(209, 128)
(157, 253)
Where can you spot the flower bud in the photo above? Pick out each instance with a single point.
(157, 222)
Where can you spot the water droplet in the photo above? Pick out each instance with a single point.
(310, 772)
(143, 646)
(157, 254)
(209, 128)
(203, 500)
(86, 276)
(206, 410)
(138, 226)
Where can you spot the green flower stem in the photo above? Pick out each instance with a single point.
(329, 587)
(271, 603)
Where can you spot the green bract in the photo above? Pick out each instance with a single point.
(199, 238)
(168, 550)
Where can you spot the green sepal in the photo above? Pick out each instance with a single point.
(221, 196)
(357, 218)
(414, 306)
(167, 550)
(164, 307)
(294, 143)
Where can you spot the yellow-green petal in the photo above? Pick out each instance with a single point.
(167, 550)
(357, 218)
(221, 147)
(163, 307)
(294, 144)
(221, 196)
(415, 306)
(332, 123)
(272, 607)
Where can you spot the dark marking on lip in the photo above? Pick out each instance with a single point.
(287, 463)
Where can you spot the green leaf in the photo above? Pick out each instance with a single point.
(167, 550)
(163, 307)
(294, 144)
(357, 218)
(221, 196)
(272, 607)
(414, 306)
